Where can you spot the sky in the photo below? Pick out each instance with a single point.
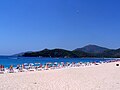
(32, 25)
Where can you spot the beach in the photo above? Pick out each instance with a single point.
(101, 77)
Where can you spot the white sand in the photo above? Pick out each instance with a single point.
(102, 77)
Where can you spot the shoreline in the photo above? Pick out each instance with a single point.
(48, 66)
(23, 60)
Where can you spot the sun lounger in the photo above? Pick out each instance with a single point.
(1, 72)
(39, 69)
(11, 71)
(15, 70)
(32, 69)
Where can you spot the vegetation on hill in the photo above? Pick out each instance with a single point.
(87, 51)
(52, 53)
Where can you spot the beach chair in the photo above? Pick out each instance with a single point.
(1, 72)
(39, 69)
(32, 70)
(16, 70)
(11, 69)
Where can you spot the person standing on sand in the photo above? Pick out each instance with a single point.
(2, 67)
(46, 67)
(23, 67)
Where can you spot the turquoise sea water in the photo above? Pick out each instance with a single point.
(7, 61)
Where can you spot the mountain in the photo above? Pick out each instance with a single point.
(55, 53)
(115, 53)
(21, 54)
(88, 51)
(92, 49)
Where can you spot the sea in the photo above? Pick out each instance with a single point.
(8, 60)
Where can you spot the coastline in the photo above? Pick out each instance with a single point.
(8, 61)
(101, 77)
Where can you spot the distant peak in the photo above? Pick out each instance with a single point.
(92, 49)
(92, 45)
(45, 49)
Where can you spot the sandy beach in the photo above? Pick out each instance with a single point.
(102, 77)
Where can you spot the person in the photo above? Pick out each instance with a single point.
(2, 68)
(23, 67)
(11, 69)
(40, 66)
(58, 66)
(46, 67)
(18, 67)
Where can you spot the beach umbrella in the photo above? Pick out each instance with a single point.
(31, 64)
(56, 63)
(49, 63)
(68, 63)
(37, 63)
(62, 63)
(26, 64)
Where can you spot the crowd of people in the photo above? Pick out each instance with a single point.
(39, 67)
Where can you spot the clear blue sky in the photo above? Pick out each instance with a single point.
(30, 25)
